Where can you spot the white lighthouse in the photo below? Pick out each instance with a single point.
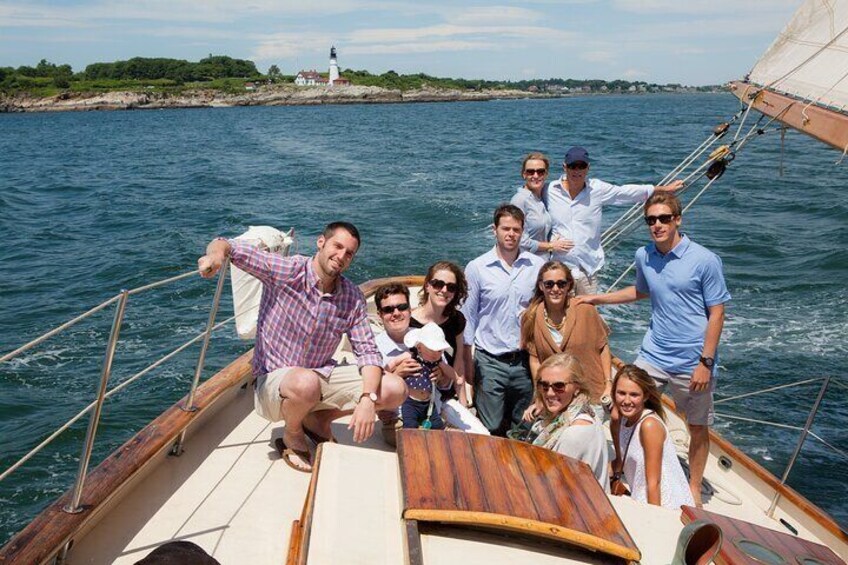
(334, 67)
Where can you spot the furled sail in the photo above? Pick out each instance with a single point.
(802, 79)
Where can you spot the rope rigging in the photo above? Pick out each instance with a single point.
(709, 170)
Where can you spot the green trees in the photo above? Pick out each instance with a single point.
(177, 70)
(274, 73)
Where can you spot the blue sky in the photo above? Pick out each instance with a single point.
(692, 42)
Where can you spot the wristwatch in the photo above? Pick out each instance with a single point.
(371, 395)
(708, 362)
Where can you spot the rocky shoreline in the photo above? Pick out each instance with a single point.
(271, 95)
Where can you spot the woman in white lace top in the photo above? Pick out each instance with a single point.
(645, 449)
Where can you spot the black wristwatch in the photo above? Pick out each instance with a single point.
(708, 362)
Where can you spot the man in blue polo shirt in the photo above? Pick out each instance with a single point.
(686, 286)
(500, 285)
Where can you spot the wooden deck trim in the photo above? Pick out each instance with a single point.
(299, 553)
(412, 539)
(370, 287)
(818, 122)
(53, 527)
(817, 514)
(295, 546)
(523, 526)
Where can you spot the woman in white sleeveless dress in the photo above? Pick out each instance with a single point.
(645, 450)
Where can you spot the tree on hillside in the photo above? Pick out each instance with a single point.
(274, 73)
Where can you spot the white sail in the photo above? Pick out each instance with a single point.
(809, 59)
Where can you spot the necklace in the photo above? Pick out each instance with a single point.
(548, 321)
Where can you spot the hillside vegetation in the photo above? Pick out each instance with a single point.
(231, 75)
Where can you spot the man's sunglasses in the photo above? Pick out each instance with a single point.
(399, 307)
(662, 218)
(579, 166)
(440, 284)
(534, 172)
(558, 387)
(560, 284)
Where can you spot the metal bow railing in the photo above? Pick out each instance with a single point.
(95, 408)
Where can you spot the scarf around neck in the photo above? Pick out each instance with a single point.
(548, 431)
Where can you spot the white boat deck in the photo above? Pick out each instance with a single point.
(232, 495)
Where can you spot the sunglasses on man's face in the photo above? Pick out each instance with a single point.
(390, 309)
(560, 284)
(535, 172)
(558, 387)
(579, 166)
(664, 219)
(440, 284)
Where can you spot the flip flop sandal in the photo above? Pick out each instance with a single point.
(317, 438)
(286, 454)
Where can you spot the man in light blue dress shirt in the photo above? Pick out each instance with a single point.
(686, 286)
(500, 285)
(575, 203)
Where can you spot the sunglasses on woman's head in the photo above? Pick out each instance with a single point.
(558, 387)
(399, 307)
(664, 219)
(440, 284)
(560, 284)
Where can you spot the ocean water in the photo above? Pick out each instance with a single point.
(94, 202)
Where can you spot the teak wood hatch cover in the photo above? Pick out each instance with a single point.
(474, 480)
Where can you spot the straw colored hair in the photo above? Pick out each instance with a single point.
(575, 373)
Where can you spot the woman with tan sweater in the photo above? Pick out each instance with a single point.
(552, 325)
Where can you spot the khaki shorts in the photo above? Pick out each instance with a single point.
(583, 283)
(697, 406)
(340, 391)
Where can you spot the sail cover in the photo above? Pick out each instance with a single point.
(809, 59)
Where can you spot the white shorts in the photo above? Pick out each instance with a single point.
(697, 406)
(340, 391)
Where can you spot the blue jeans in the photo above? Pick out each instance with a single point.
(503, 389)
(414, 414)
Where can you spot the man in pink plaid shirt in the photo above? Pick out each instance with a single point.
(306, 306)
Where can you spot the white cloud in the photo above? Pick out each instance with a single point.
(419, 47)
(494, 15)
(28, 14)
(288, 45)
(15, 15)
(598, 56)
(634, 73)
(401, 35)
(427, 39)
(707, 6)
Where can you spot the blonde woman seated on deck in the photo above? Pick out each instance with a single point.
(567, 423)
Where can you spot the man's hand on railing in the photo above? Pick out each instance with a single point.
(216, 253)
(209, 265)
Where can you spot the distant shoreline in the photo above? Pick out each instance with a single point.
(263, 96)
